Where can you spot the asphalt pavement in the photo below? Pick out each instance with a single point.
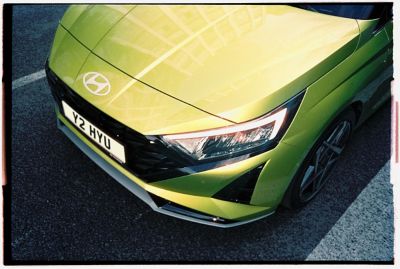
(65, 208)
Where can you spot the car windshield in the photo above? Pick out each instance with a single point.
(356, 11)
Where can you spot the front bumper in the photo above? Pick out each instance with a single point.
(230, 193)
(158, 198)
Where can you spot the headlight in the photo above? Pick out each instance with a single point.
(256, 135)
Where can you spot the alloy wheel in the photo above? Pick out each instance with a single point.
(322, 162)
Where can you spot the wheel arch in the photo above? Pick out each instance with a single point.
(355, 107)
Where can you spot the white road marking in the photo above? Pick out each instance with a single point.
(353, 228)
(18, 83)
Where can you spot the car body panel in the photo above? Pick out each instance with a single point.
(337, 61)
(265, 49)
(67, 56)
(336, 90)
(366, 28)
(89, 23)
(313, 118)
(142, 108)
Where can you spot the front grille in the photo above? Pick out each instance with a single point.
(146, 156)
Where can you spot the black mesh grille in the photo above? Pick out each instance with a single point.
(146, 157)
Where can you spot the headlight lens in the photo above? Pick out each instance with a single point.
(238, 139)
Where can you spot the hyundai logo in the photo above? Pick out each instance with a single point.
(96, 83)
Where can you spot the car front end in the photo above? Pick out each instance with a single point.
(201, 121)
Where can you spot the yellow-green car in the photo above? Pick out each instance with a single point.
(218, 114)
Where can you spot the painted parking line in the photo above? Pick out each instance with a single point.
(353, 228)
(20, 82)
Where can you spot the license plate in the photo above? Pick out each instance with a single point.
(97, 135)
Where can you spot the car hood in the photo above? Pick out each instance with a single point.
(236, 61)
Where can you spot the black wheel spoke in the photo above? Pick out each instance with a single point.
(308, 178)
(335, 149)
(318, 156)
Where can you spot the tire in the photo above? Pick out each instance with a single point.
(317, 166)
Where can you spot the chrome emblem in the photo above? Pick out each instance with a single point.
(96, 83)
